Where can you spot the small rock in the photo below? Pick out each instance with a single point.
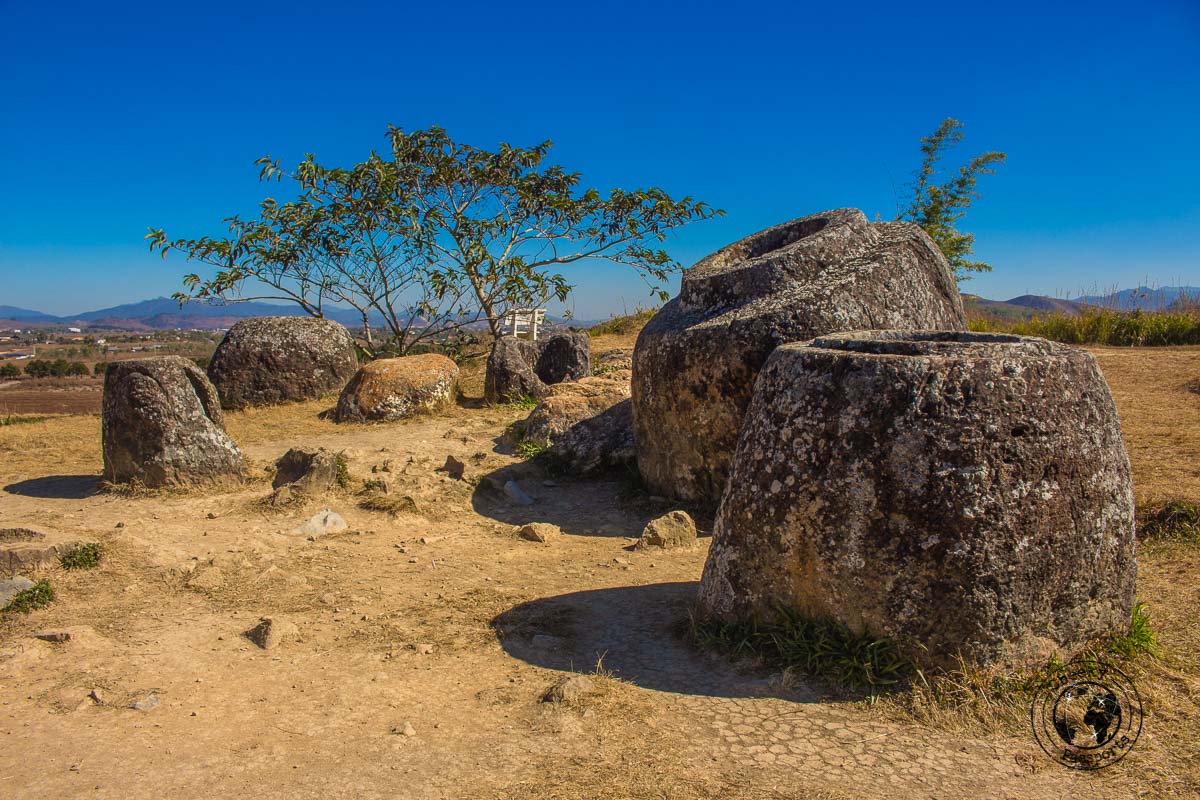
(322, 523)
(270, 632)
(676, 529)
(119, 525)
(570, 690)
(146, 703)
(57, 637)
(404, 730)
(211, 515)
(517, 494)
(538, 532)
(11, 587)
(453, 467)
(550, 484)
(423, 649)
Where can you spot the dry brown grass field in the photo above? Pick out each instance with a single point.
(439, 618)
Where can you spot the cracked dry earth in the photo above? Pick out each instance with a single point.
(440, 620)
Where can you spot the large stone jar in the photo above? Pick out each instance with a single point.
(695, 362)
(269, 360)
(962, 493)
(162, 426)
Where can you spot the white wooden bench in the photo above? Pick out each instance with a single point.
(518, 320)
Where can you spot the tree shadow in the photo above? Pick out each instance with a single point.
(639, 632)
(61, 487)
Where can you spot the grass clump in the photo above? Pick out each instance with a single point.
(819, 647)
(84, 556)
(20, 419)
(37, 596)
(1104, 326)
(530, 448)
(1176, 520)
(623, 325)
(392, 504)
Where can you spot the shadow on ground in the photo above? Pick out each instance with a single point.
(639, 632)
(587, 507)
(62, 487)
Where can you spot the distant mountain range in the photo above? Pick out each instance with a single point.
(163, 313)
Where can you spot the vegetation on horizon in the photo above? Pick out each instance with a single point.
(938, 207)
(1103, 326)
(433, 238)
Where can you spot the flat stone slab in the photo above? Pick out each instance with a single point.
(23, 549)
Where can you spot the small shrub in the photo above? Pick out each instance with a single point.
(1139, 639)
(10, 371)
(99, 368)
(37, 596)
(530, 448)
(13, 419)
(85, 556)
(1175, 520)
(526, 403)
(343, 471)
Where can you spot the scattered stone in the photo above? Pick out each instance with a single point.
(211, 515)
(54, 637)
(676, 529)
(518, 368)
(378, 486)
(398, 388)
(539, 532)
(97, 696)
(571, 691)
(162, 426)
(695, 362)
(406, 729)
(22, 549)
(271, 632)
(423, 649)
(960, 493)
(307, 471)
(11, 587)
(453, 468)
(517, 494)
(119, 525)
(323, 523)
(147, 703)
(269, 360)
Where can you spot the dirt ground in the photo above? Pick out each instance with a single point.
(441, 620)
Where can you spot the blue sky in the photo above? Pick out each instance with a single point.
(117, 117)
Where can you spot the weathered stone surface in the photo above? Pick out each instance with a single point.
(538, 532)
(22, 549)
(519, 368)
(398, 388)
(271, 632)
(322, 523)
(673, 530)
(269, 360)
(307, 471)
(162, 426)
(695, 362)
(588, 423)
(11, 587)
(958, 492)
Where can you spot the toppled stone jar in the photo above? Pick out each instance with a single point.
(964, 494)
(695, 362)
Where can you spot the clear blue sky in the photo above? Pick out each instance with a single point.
(115, 117)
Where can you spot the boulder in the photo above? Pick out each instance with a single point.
(269, 360)
(307, 471)
(961, 493)
(695, 362)
(398, 388)
(323, 523)
(538, 532)
(270, 632)
(162, 426)
(670, 531)
(518, 368)
(588, 424)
